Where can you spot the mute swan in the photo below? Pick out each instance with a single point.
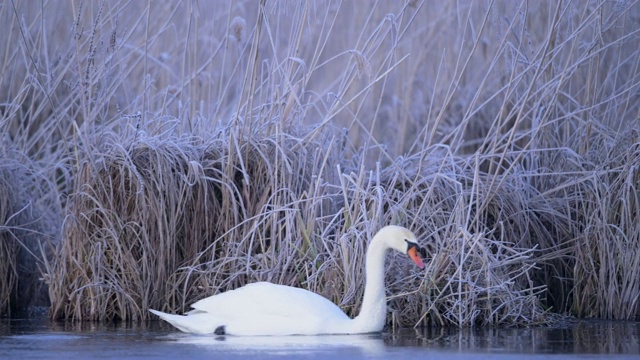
(264, 308)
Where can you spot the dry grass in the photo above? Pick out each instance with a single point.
(27, 227)
(157, 224)
(187, 149)
(9, 248)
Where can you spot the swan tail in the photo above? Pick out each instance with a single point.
(195, 323)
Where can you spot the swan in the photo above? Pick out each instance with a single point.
(264, 308)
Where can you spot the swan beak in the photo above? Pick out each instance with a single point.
(414, 253)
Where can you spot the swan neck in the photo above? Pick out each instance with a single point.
(373, 313)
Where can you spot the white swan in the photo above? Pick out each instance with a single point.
(268, 309)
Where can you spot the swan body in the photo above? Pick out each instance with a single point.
(264, 308)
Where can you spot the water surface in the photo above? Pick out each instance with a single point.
(41, 339)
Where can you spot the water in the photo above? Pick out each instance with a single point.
(33, 339)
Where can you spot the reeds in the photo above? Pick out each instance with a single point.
(27, 228)
(274, 141)
(9, 248)
(159, 223)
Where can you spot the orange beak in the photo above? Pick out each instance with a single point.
(415, 256)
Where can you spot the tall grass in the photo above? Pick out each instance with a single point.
(27, 229)
(187, 149)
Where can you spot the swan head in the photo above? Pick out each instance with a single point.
(403, 240)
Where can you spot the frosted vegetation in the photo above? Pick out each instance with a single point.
(153, 154)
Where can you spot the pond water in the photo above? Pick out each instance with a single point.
(41, 339)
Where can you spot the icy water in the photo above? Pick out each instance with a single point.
(28, 339)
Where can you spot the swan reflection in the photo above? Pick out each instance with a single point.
(366, 343)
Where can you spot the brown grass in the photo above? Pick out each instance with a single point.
(187, 149)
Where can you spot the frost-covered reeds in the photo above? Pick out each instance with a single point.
(171, 151)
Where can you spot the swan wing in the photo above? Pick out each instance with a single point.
(265, 308)
(266, 298)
